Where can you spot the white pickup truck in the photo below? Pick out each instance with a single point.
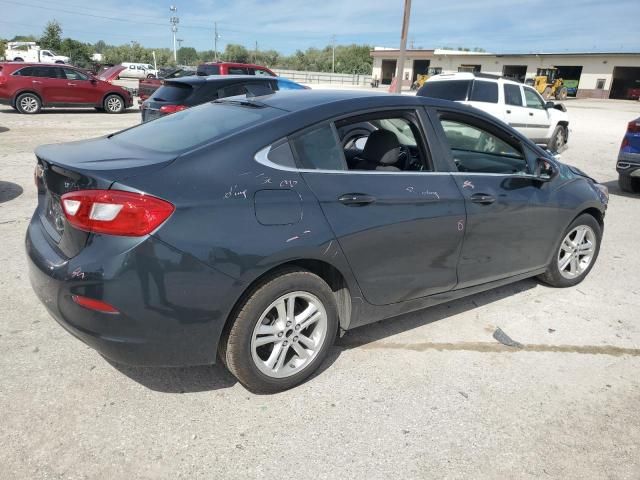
(546, 123)
(31, 52)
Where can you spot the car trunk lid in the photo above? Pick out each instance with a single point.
(72, 166)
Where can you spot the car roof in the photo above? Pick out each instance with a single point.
(469, 76)
(195, 80)
(299, 100)
(37, 64)
(235, 64)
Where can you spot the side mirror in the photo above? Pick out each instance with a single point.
(549, 105)
(545, 171)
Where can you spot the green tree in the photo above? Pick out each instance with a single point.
(24, 38)
(51, 36)
(206, 56)
(78, 52)
(235, 53)
(100, 46)
(187, 56)
(3, 46)
(270, 58)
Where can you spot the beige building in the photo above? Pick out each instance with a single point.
(595, 75)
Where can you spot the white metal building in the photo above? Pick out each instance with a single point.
(587, 75)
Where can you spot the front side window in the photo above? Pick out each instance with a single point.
(533, 99)
(46, 54)
(319, 149)
(512, 95)
(71, 74)
(479, 150)
(238, 71)
(484, 92)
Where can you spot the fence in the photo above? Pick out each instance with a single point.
(324, 77)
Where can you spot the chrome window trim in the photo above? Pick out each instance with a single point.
(262, 158)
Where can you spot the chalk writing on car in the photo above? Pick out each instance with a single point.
(288, 183)
(235, 192)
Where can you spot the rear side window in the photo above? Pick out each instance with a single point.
(262, 73)
(238, 71)
(205, 70)
(484, 92)
(455, 90)
(172, 92)
(282, 155)
(42, 72)
(512, 95)
(319, 149)
(194, 127)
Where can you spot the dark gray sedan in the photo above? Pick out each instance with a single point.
(258, 229)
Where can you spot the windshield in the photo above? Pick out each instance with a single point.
(195, 126)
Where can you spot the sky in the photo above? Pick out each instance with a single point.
(498, 26)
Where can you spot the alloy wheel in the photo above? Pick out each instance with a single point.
(289, 335)
(576, 251)
(29, 104)
(114, 104)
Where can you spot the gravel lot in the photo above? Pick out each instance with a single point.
(430, 394)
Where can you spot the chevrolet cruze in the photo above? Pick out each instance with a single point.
(257, 229)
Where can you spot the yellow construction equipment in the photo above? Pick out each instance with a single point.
(423, 77)
(547, 83)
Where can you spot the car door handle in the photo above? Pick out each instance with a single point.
(36, 81)
(531, 114)
(483, 198)
(356, 199)
(71, 84)
(508, 111)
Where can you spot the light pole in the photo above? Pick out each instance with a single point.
(216, 36)
(174, 20)
(403, 46)
(333, 54)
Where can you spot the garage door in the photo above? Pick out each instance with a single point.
(626, 83)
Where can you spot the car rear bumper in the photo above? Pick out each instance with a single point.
(628, 164)
(172, 308)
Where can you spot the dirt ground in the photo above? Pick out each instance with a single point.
(426, 395)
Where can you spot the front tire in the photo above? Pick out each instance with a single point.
(151, 75)
(28, 103)
(577, 253)
(561, 93)
(558, 140)
(113, 104)
(281, 332)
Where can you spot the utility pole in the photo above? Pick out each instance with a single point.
(215, 41)
(255, 54)
(403, 45)
(179, 40)
(333, 54)
(174, 20)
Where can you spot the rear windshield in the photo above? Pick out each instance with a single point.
(204, 70)
(195, 126)
(172, 92)
(455, 90)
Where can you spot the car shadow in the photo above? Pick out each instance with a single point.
(3, 129)
(9, 191)
(614, 189)
(217, 377)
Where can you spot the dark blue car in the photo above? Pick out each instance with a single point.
(628, 166)
(257, 229)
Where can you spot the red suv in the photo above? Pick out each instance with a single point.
(230, 68)
(28, 87)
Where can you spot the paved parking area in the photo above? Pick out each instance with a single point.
(426, 395)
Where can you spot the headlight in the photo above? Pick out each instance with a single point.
(603, 192)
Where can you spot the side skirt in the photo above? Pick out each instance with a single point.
(365, 313)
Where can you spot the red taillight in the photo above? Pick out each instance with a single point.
(625, 143)
(114, 212)
(172, 108)
(633, 127)
(93, 304)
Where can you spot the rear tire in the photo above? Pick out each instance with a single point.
(576, 254)
(629, 184)
(263, 346)
(151, 75)
(558, 140)
(28, 103)
(113, 103)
